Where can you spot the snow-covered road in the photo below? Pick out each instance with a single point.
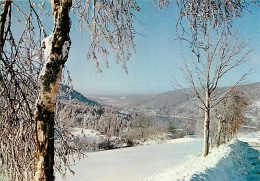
(131, 164)
(238, 160)
(253, 140)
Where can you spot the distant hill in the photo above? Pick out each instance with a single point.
(65, 93)
(168, 99)
(82, 112)
(117, 101)
(173, 99)
(176, 103)
(170, 104)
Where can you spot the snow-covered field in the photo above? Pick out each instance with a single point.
(250, 137)
(132, 164)
(175, 160)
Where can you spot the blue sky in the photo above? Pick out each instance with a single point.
(157, 56)
(148, 69)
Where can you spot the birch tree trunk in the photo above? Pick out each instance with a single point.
(56, 54)
(206, 125)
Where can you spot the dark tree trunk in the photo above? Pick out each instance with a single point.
(219, 133)
(3, 19)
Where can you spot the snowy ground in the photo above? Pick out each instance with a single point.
(238, 161)
(250, 137)
(175, 160)
(253, 141)
(132, 164)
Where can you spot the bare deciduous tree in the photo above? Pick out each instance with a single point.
(109, 24)
(143, 123)
(201, 14)
(195, 16)
(221, 52)
(20, 59)
(231, 116)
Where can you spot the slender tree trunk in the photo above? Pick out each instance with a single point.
(57, 55)
(3, 19)
(219, 132)
(206, 125)
(108, 144)
(206, 134)
(224, 133)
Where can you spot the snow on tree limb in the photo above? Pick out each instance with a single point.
(110, 25)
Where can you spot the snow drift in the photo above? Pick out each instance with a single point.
(228, 162)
